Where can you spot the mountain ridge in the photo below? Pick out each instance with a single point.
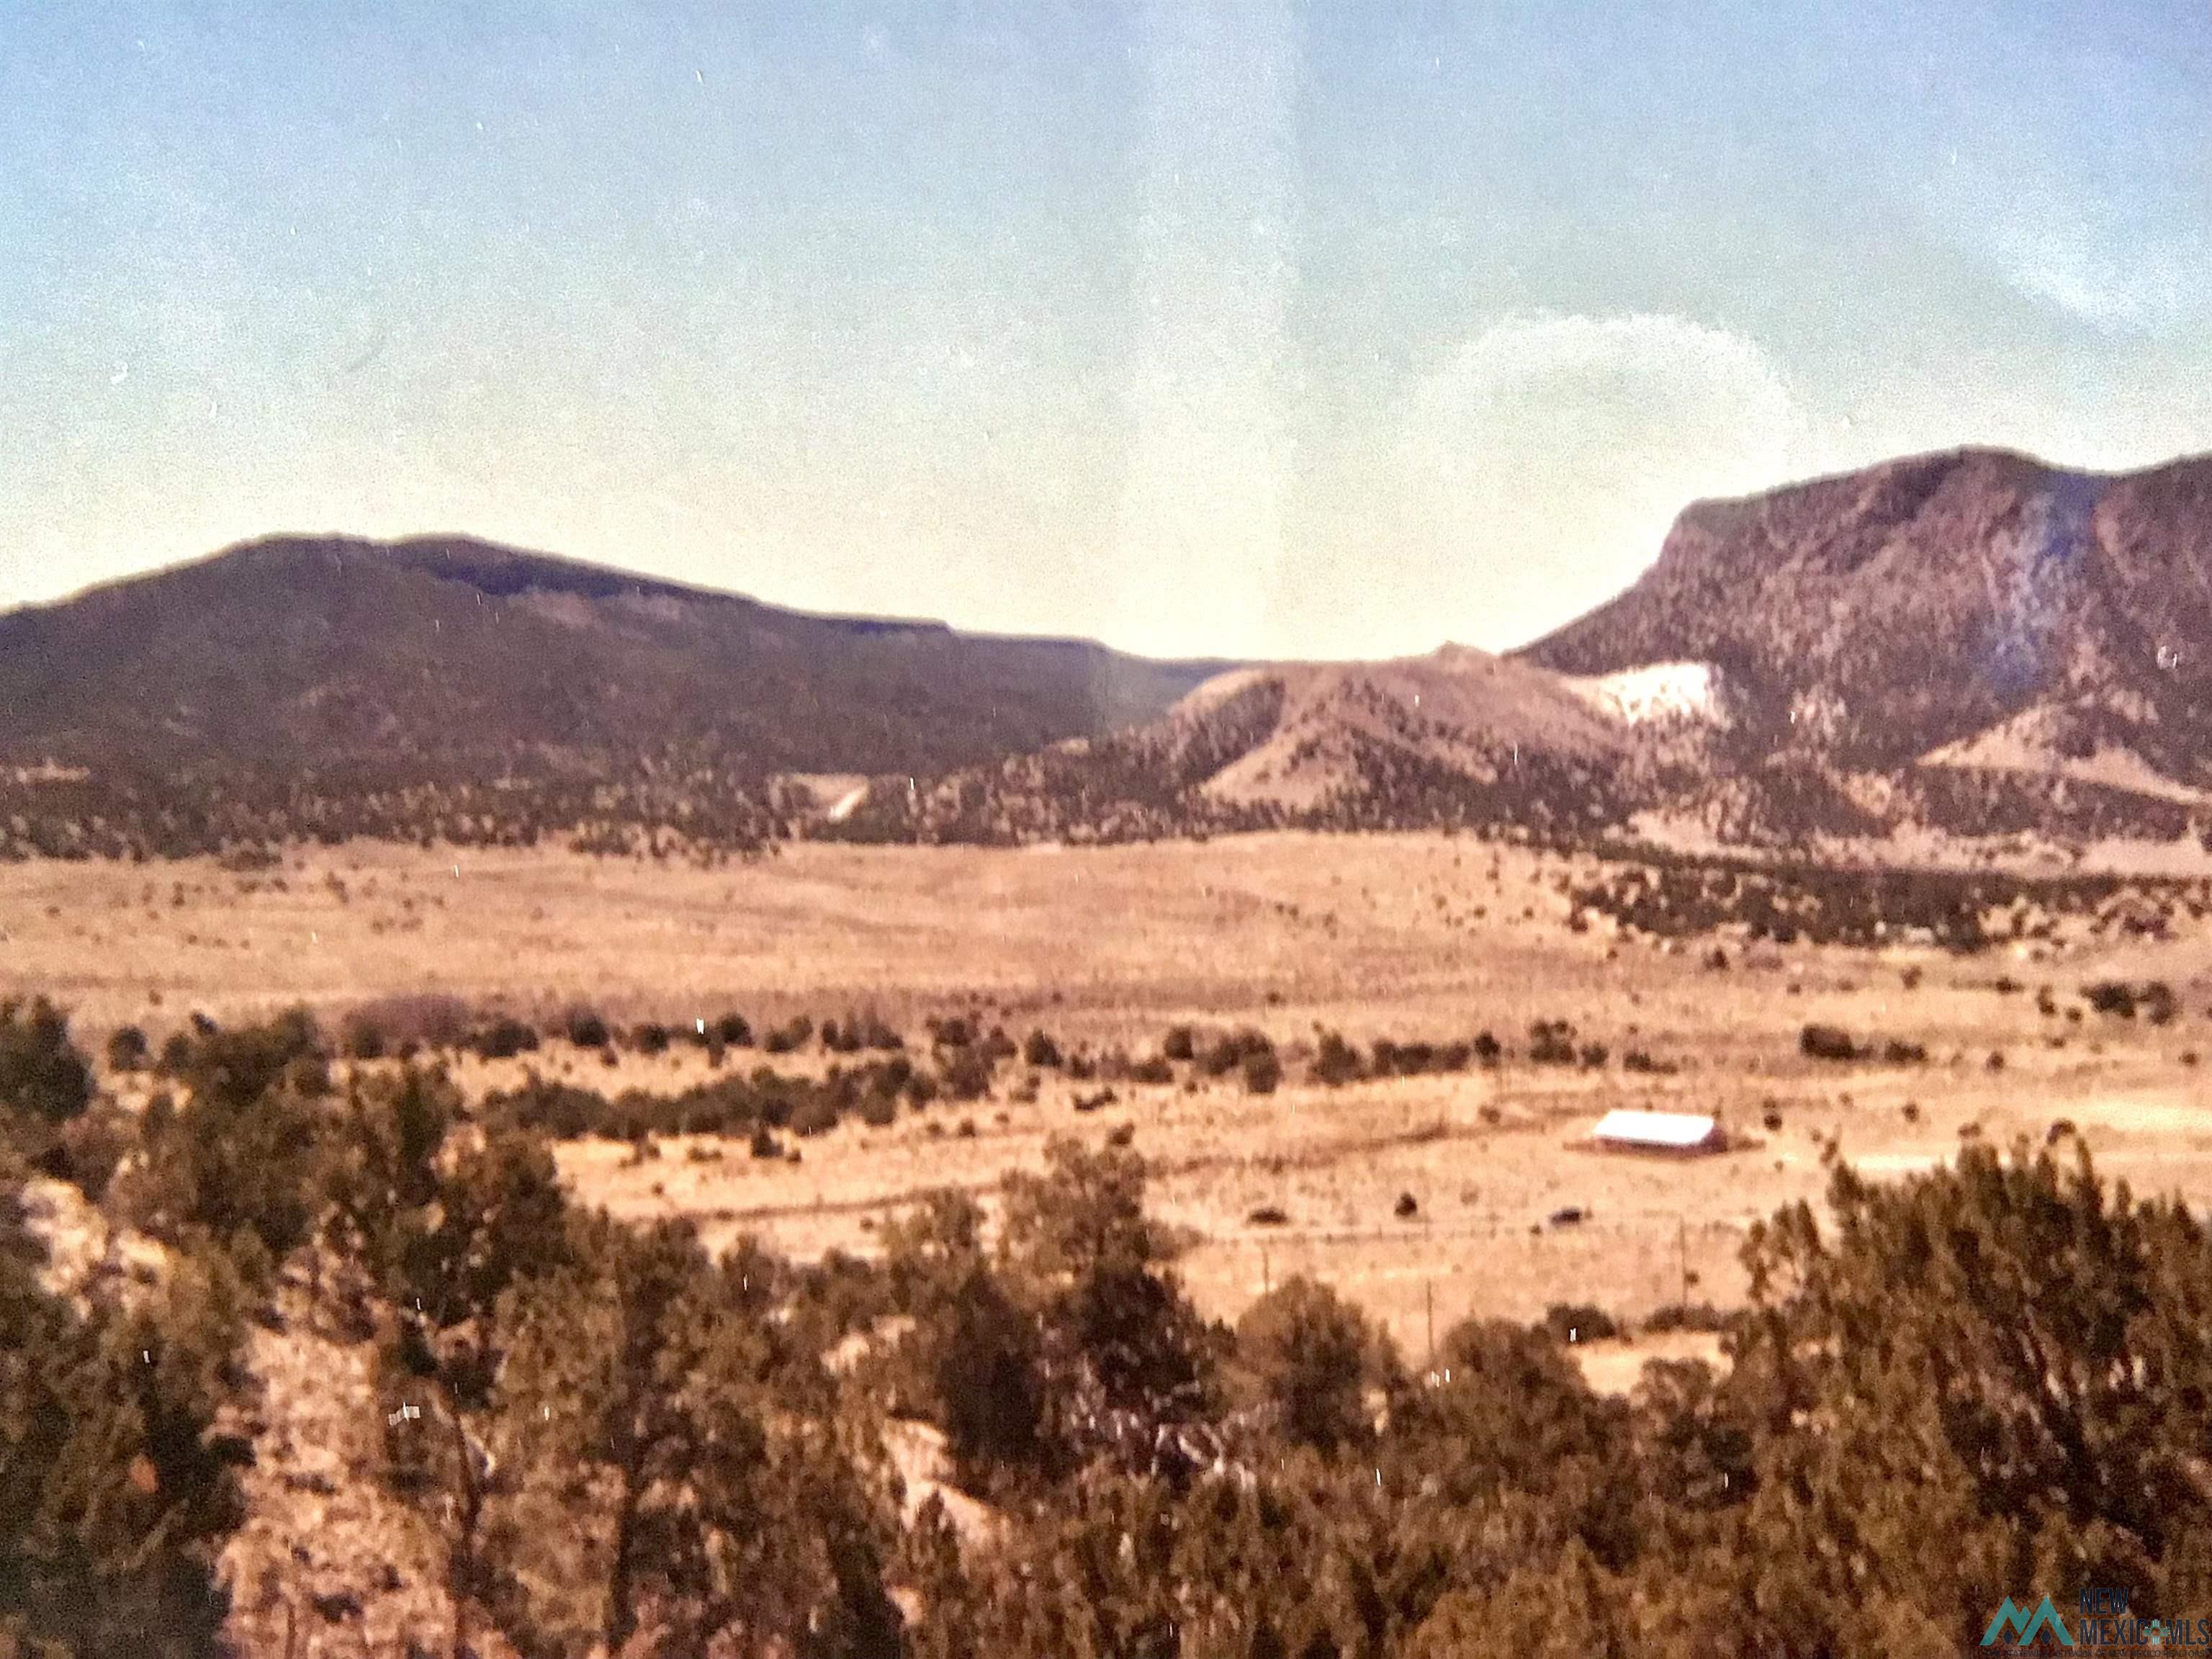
(1969, 641)
(290, 686)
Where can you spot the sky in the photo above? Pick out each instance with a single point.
(1257, 329)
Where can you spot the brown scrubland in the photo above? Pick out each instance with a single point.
(1213, 1162)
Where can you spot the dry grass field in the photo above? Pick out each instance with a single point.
(1415, 936)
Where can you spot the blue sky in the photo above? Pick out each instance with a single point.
(1258, 329)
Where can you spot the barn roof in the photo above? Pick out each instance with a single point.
(1656, 1128)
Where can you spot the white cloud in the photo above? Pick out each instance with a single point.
(1544, 460)
(2055, 253)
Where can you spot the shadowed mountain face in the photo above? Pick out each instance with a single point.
(1975, 608)
(294, 685)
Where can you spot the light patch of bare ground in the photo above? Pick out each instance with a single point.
(1616, 1366)
(328, 1564)
(917, 1452)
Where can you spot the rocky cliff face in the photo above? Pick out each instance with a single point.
(1876, 620)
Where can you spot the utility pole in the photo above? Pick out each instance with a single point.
(1266, 1279)
(1682, 1243)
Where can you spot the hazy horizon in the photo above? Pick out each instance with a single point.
(1245, 330)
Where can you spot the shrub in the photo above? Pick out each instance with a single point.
(559, 1110)
(1896, 1052)
(243, 1157)
(1040, 1050)
(1412, 1058)
(1227, 1054)
(1827, 1042)
(1336, 1062)
(1688, 1317)
(1307, 1357)
(1406, 1207)
(789, 1037)
(988, 1376)
(42, 1076)
(1268, 1215)
(585, 1029)
(876, 1110)
(1488, 1051)
(968, 1073)
(127, 1049)
(430, 1020)
(1181, 1043)
(1153, 1068)
(1262, 1072)
(504, 1038)
(2111, 996)
(953, 1032)
(89, 1148)
(764, 1145)
(1580, 1321)
(1551, 1043)
(246, 1061)
(362, 1038)
(815, 1116)
(732, 1029)
(651, 1037)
